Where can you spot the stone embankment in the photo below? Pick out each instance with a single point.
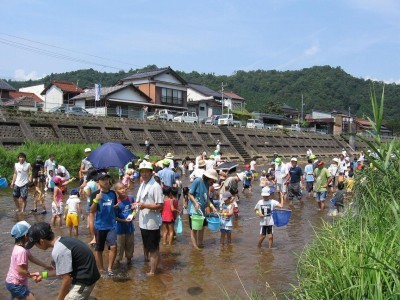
(181, 139)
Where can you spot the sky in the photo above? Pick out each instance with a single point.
(38, 38)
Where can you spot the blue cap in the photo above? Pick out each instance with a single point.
(74, 191)
(20, 229)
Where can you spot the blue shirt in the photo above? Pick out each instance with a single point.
(295, 174)
(199, 190)
(105, 215)
(167, 176)
(247, 178)
(123, 211)
(309, 171)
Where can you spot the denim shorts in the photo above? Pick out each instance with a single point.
(17, 291)
(321, 196)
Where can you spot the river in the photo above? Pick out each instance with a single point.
(214, 272)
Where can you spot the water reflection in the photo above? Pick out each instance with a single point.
(184, 272)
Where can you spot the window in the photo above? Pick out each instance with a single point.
(170, 96)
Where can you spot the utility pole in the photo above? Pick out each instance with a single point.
(222, 94)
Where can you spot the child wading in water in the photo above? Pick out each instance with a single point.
(226, 209)
(125, 214)
(57, 207)
(168, 215)
(264, 209)
(73, 212)
(18, 273)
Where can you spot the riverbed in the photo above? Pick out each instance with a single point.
(214, 272)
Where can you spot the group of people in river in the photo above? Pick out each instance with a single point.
(160, 201)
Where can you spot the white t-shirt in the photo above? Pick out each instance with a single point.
(191, 166)
(150, 192)
(49, 165)
(281, 172)
(252, 165)
(22, 171)
(63, 170)
(266, 207)
(72, 203)
(210, 163)
(197, 173)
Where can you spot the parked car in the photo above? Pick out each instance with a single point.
(295, 127)
(254, 123)
(207, 121)
(71, 110)
(186, 117)
(161, 114)
(227, 119)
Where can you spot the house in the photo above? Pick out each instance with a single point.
(5, 90)
(290, 112)
(164, 87)
(121, 100)
(36, 89)
(233, 101)
(24, 101)
(322, 122)
(58, 93)
(363, 127)
(203, 100)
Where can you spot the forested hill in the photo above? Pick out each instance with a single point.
(323, 88)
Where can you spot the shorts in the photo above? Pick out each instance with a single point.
(246, 186)
(151, 239)
(79, 291)
(108, 237)
(309, 186)
(57, 210)
(72, 220)
(205, 223)
(266, 230)
(281, 187)
(294, 190)
(18, 291)
(20, 191)
(321, 196)
(226, 231)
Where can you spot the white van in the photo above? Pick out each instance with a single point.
(254, 123)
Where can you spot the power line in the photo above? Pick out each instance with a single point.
(56, 54)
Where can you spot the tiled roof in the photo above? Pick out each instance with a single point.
(232, 95)
(15, 95)
(23, 101)
(65, 86)
(105, 91)
(151, 74)
(5, 86)
(204, 90)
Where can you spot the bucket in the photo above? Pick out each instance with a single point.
(197, 222)
(281, 217)
(213, 223)
(3, 183)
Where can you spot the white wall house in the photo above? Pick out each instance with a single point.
(36, 89)
(58, 93)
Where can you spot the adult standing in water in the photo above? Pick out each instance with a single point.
(200, 201)
(150, 201)
(22, 176)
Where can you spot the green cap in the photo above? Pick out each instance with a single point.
(278, 160)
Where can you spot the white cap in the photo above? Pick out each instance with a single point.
(293, 159)
(146, 165)
(88, 150)
(265, 191)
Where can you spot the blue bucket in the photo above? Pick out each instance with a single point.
(281, 217)
(213, 223)
(3, 183)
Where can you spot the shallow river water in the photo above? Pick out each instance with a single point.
(185, 273)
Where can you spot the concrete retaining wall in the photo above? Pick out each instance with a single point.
(180, 139)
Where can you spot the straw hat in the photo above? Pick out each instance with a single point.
(212, 174)
(169, 155)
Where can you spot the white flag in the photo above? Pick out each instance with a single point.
(97, 92)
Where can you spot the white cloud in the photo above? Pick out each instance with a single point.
(312, 51)
(388, 81)
(20, 74)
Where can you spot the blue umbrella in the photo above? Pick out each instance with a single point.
(110, 155)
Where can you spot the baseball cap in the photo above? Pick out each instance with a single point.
(74, 191)
(20, 229)
(102, 175)
(38, 157)
(265, 191)
(225, 196)
(293, 159)
(146, 165)
(312, 156)
(146, 157)
(37, 232)
(88, 150)
(278, 160)
(166, 162)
